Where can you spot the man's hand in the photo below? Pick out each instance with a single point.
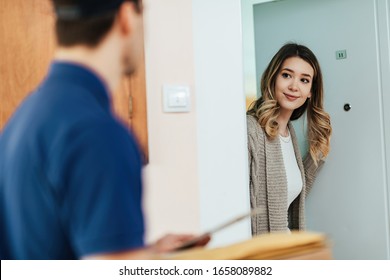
(171, 242)
(166, 244)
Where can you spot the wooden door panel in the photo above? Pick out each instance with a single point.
(27, 44)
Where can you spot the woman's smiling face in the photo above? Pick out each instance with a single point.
(293, 84)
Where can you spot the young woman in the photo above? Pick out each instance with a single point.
(279, 178)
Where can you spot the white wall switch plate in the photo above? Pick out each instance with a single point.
(176, 98)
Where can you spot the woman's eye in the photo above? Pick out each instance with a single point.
(305, 81)
(286, 75)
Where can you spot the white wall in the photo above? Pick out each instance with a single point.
(221, 126)
(197, 175)
(171, 177)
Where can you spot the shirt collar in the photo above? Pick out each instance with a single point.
(83, 76)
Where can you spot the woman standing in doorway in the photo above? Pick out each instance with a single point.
(279, 179)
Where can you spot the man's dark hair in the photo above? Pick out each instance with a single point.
(86, 30)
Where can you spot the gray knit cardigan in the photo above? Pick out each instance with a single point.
(268, 182)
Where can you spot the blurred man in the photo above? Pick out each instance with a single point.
(70, 173)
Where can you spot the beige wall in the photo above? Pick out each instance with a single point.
(171, 184)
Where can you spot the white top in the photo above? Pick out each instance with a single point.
(294, 177)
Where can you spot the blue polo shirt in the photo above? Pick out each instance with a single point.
(70, 173)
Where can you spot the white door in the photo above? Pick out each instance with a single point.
(349, 200)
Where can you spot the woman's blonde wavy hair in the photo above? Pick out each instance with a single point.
(266, 109)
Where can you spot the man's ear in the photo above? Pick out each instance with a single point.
(126, 13)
